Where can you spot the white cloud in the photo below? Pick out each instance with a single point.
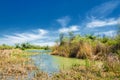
(110, 33)
(44, 44)
(71, 28)
(104, 9)
(23, 37)
(38, 37)
(101, 23)
(63, 21)
(42, 32)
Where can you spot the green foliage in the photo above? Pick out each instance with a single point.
(87, 63)
(4, 46)
(86, 46)
(94, 48)
(90, 36)
(104, 39)
(27, 45)
(17, 45)
(46, 47)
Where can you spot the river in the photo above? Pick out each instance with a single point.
(52, 64)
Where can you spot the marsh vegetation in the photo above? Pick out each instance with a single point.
(74, 57)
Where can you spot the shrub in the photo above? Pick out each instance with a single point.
(74, 48)
(112, 64)
(85, 50)
(4, 46)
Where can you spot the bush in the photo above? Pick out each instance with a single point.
(85, 51)
(4, 46)
(88, 46)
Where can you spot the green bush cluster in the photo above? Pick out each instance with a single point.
(4, 46)
(27, 45)
(23, 46)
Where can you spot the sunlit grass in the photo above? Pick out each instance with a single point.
(15, 64)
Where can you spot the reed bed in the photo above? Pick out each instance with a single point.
(104, 49)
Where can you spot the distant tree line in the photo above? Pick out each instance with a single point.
(23, 46)
(27, 45)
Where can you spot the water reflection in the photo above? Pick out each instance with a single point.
(45, 62)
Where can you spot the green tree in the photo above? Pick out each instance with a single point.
(90, 36)
(17, 45)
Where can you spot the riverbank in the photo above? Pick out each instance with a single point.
(18, 64)
(95, 48)
(45, 58)
(15, 64)
(82, 72)
(70, 68)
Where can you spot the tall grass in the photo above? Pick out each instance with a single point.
(85, 50)
(83, 47)
(104, 49)
(15, 65)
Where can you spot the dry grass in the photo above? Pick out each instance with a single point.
(62, 51)
(41, 76)
(92, 72)
(13, 64)
(112, 63)
(85, 51)
(110, 57)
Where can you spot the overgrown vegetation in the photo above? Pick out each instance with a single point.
(88, 46)
(14, 64)
(105, 49)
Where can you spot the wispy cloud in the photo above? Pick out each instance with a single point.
(101, 23)
(104, 9)
(23, 37)
(44, 43)
(97, 19)
(63, 21)
(68, 29)
(110, 33)
(38, 37)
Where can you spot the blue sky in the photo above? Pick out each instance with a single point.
(41, 21)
